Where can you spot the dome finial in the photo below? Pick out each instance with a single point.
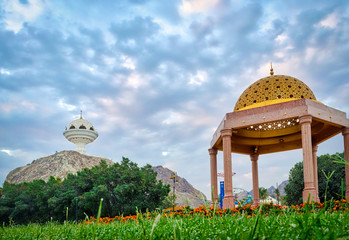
(271, 69)
(80, 114)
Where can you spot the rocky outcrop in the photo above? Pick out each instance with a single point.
(62, 163)
(59, 165)
(271, 190)
(282, 187)
(186, 194)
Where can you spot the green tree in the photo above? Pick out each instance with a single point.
(263, 193)
(294, 188)
(283, 200)
(24, 202)
(277, 194)
(124, 186)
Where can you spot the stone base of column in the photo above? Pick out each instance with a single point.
(317, 198)
(309, 193)
(228, 202)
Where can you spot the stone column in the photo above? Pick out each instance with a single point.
(213, 164)
(345, 133)
(255, 184)
(308, 168)
(228, 201)
(81, 147)
(316, 178)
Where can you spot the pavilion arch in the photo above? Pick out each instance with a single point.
(277, 113)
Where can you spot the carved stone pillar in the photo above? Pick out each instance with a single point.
(316, 179)
(308, 168)
(213, 164)
(345, 133)
(228, 201)
(255, 184)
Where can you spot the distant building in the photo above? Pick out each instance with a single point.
(269, 200)
(80, 132)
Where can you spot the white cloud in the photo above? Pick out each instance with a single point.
(24, 156)
(65, 106)
(169, 29)
(109, 60)
(90, 68)
(127, 63)
(126, 98)
(106, 102)
(279, 54)
(198, 79)
(7, 107)
(8, 152)
(29, 105)
(330, 21)
(272, 170)
(90, 53)
(4, 71)
(173, 118)
(197, 6)
(16, 13)
(248, 175)
(144, 133)
(135, 80)
(340, 100)
(310, 53)
(288, 66)
(164, 154)
(281, 38)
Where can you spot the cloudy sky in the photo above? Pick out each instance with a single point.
(155, 78)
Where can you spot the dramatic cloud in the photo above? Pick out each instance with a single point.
(196, 6)
(19, 12)
(155, 78)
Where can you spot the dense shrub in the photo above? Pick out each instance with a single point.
(295, 186)
(124, 187)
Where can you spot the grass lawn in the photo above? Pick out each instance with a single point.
(267, 222)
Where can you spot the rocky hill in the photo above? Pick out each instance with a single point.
(282, 187)
(186, 194)
(62, 163)
(270, 190)
(59, 165)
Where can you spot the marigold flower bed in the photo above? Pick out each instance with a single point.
(246, 210)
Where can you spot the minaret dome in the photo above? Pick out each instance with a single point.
(80, 132)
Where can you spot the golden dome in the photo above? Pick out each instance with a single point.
(273, 89)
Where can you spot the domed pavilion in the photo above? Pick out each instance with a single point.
(80, 132)
(276, 113)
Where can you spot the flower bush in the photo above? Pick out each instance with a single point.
(245, 211)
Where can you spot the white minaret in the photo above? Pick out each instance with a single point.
(80, 132)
